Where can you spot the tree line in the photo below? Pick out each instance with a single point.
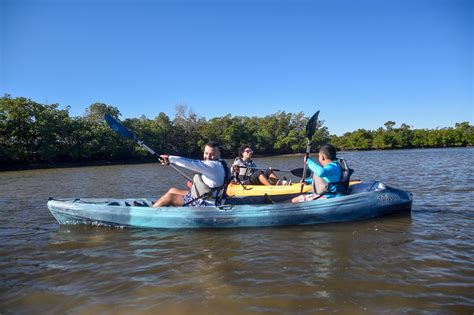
(34, 133)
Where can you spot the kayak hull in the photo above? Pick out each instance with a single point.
(362, 203)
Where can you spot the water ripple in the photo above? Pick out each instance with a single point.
(420, 262)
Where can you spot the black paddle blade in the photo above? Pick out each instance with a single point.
(118, 127)
(311, 126)
(298, 172)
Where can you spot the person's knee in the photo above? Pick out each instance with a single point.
(172, 190)
(176, 200)
(177, 191)
(169, 199)
(264, 180)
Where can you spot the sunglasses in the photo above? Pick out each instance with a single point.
(248, 150)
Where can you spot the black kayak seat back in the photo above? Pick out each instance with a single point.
(346, 172)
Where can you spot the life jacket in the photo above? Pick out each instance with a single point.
(200, 188)
(247, 168)
(321, 187)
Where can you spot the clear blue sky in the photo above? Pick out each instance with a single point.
(360, 62)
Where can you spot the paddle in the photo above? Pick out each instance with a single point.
(310, 129)
(124, 132)
(298, 172)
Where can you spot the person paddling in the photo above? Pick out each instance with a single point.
(212, 172)
(326, 172)
(247, 170)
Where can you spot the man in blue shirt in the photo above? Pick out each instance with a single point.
(327, 171)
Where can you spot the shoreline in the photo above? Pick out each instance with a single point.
(55, 165)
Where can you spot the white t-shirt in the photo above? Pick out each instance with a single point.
(212, 171)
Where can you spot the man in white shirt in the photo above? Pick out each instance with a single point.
(210, 175)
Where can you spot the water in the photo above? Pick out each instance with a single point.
(421, 262)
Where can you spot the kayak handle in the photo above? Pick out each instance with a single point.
(226, 207)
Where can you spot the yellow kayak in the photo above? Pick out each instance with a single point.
(238, 190)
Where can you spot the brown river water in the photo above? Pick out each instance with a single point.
(417, 263)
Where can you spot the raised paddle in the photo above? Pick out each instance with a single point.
(310, 129)
(124, 132)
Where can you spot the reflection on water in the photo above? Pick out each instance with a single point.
(415, 263)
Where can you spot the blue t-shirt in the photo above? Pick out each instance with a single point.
(330, 173)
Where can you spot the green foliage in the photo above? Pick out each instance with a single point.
(31, 132)
(405, 137)
(360, 139)
(96, 112)
(36, 133)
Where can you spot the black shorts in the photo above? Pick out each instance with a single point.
(254, 180)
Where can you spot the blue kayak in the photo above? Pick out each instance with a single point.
(364, 201)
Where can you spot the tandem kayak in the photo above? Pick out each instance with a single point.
(365, 201)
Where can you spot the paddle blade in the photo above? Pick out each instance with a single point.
(311, 126)
(298, 172)
(118, 127)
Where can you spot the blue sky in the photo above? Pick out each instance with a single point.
(361, 62)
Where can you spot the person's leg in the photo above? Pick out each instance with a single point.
(273, 178)
(254, 179)
(263, 180)
(304, 197)
(299, 198)
(174, 197)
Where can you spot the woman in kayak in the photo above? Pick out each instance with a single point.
(248, 172)
(211, 175)
(327, 175)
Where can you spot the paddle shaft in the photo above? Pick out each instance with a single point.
(305, 167)
(143, 145)
(310, 129)
(124, 132)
